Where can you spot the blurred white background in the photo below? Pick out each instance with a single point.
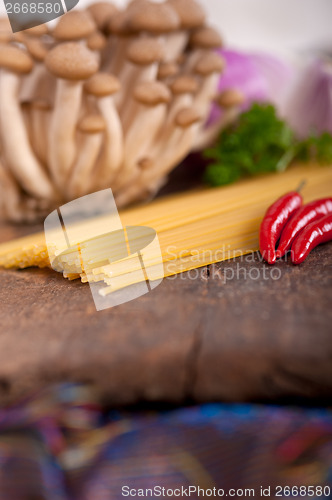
(278, 25)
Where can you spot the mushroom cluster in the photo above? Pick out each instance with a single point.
(106, 98)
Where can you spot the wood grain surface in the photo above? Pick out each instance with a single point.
(230, 331)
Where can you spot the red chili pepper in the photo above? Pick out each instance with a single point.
(274, 221)
(319, 231)
(308, 213)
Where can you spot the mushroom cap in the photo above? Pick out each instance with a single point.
(96, 41)
(36, 48)
(190, 13)
(102, 84)
(184, 84)
(118, 24)
(92, 124)
(145, 51)
(74, 25)
(167, 69)
(151, 93)
(187, 116)
(71, 61)
(101, 13)
(154, 18)
(15, 59)
(210, 63)
(206, 38)
(229, 98)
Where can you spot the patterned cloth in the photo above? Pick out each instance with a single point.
(60, 445)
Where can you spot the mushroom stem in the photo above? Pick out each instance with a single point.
(186, 127)
(62, 146)
(175, 45)
(139, 138)
(17, 149)
(40, 115)
(113, 150)
(81, 177)
(206, 93)
(209, 135)
(9, 195)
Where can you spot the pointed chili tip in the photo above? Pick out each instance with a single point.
(269, 257)
(279, 254)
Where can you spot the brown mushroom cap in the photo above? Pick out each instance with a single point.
(92, 124)
(206, 38)
(210, 63)
(96, 41)
(102, 84)
(187, 117)
(167, 69)
(154, 18)
(184, 84)
(118, 24)
(190, 13)
(229, 98)
(71, 61)
(15, 59)
(74, 25)
(151, 93)
(36, 48)
(101, 13)
(145, 51)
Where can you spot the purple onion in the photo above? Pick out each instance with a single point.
(260, 77)
(309, 106)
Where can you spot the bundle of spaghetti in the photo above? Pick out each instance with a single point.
(194, 229)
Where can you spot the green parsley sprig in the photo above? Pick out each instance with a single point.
(261, 142)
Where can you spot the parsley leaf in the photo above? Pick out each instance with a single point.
(261, 142)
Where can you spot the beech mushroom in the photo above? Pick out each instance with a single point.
(120, 38)
(39, 116)
(230, 101)
(183, 89)
(38, 83)
(191, 16)
(91, 129)
(128, 73)
(209, 68)
(202, 41)
(167, 70)
(156, 18)
(143, 57)
(10, 195)
(153, 98)
(186, 125)
(70, 63)
(14, 62)
(101, 13)
(96, 42)
(159, 19)
(103, 86)
(75, 25)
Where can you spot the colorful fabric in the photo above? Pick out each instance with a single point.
(60, 445)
